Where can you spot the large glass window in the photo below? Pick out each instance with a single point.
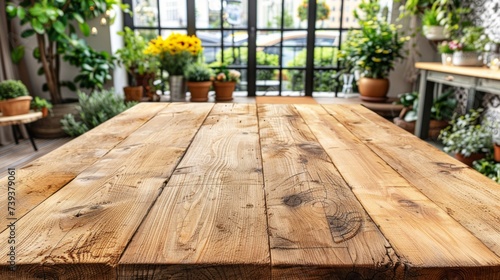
(277, 46)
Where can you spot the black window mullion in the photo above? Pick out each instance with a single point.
(311, 26)
(252, 48)
(191, 17)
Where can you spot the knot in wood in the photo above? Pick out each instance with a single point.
(292, 200)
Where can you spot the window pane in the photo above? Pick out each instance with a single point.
(173, 13)
(328, 14)
(145, 13)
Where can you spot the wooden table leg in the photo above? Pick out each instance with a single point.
(15, 130)
(31, 137)
(424, 106)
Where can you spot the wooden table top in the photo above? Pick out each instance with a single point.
(246, 191)
(20, 119)
(478, 72)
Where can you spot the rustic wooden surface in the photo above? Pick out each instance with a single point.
(20, 119)
(246, 191)
(479, 72)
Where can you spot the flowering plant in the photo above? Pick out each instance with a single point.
(456, 46)
(374, 48)
(175, 52)
(225, 75)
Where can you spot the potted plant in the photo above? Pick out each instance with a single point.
(441, 112)
(56, 25)
(41, 105)
(467, 50)
(225, 83)
(496, 142)
(467, 137)
(174, 54)
(14, 98)
(199, 80)
(488, 168)
(372, 49)
(446, 53)
(431, 25)
(140, 66)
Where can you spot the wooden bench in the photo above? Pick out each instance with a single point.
(249, 191)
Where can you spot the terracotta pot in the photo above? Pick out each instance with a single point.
(224, 90)
(199, 91)
(146, 81)
(435, 128)
(408, 126)
(45, 111)
(496, 152)
(373, 90)
(16, 106)
(133, 93)
(470, 159)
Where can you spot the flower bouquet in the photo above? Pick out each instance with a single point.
(175, 53)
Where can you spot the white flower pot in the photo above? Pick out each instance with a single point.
(446, 58)
(467, 59)
(434, 33)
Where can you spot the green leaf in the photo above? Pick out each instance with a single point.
(85, 28)
(36, 53)
(28, 32)
(11, 10)
(78, 18)
(21, 13)
(17, 54)
(45, 87)
(40, 71)
(87, 67)
(43, 19)
(37, 26)
(36, 10)
(59, 27)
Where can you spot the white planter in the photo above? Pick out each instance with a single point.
(447, 58)
(467, 59)
(434, 33)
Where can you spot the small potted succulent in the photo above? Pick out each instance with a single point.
(42, 105)
(199, 80)
(14, 98)
(225, 83)
(467, 137)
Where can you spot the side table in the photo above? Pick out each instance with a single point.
(16, 121)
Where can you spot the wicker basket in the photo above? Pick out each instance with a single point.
(15, 106)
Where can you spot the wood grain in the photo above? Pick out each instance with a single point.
(400, 210)
(209, 222)
(467, 196)
(317, 227)
(479, 72)
(87, 224)
(46, 175)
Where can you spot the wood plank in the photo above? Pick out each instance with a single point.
(225, 152)
(85, 226)
(420, 232)
(317, 227)
(46, 175)
(209, 222)
(467, 196)
(479, 72)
